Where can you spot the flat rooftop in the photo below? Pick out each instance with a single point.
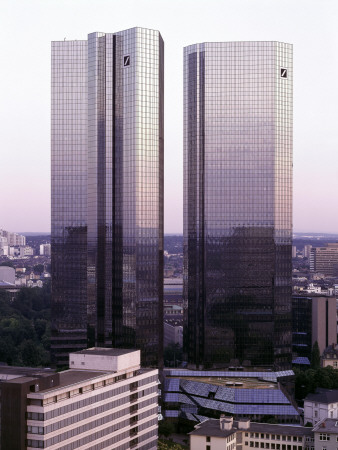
(237, 383)
(101, 351)
(267, 375)
(21, 380)
(71, 377)
(10, 372)
(280, 429)
(211, 427)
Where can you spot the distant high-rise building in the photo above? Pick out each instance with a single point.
(294, 251)
(107, 193)
(45, 249)
(13, 238)
(307, 251)
(325, 259)
(238, 202)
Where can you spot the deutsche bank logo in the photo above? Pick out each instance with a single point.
(126, 61)
(284, 73)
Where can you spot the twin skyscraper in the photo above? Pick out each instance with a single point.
(107, 198)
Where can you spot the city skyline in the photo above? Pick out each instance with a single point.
(309, 25)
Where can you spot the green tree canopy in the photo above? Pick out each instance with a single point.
(309, 380)
(315, 356)
(25, 327)
(39, 268)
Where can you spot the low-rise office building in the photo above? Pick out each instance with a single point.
(227, 434)
(197, 395)
(173, 291)
(173, 311)
(105, 400)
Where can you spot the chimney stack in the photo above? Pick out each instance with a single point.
(226, 423)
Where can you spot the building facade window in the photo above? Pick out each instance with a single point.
(324, 437)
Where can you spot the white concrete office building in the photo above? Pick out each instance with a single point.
(104, 401)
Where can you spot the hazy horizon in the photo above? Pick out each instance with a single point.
(29, 27)
(42, 233)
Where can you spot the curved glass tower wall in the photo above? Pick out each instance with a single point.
(115, 297)
(238, 203)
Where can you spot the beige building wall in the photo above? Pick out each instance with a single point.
(325, 259)
(247, 440)
(215, 443)
(324, 321)
(128, 360)
(325, 441)
(272, 441)
(330, 362)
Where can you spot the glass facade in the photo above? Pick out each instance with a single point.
(302, 327)
(69, 198)
(121, 298)
(238, 203)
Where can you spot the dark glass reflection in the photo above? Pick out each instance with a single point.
(238, 203)
(121, 137)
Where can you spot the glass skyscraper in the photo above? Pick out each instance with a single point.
(107, 193)
(238, 203)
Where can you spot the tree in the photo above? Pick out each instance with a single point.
(29, 354)
(40, 327)
(165, 428)
(315, 356)
(8, 350)
(39, 268)
(309, 380)
(25, 327)
(7, 263)
(173, 353)
(269, 419)
(169, 445)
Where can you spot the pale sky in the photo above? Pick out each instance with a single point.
(28, 26)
